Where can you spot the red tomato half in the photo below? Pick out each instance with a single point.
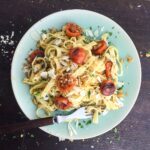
(107, 87)
(73, 30)
(65, 83)
(100, 48)
(77, 55)
(35, 53)
(62, 102)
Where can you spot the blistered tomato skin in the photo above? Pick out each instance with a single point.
(62, 102)
(77, 55)
(107, 87)
(35, 53)
(100, 48)
(65, 83)
(73, 30)
(108, 67)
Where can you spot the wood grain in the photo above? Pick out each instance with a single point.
(26, 125)
(133, 16)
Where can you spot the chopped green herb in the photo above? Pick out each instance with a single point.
(51, 96)
(88, 122)
(89, 94)
(109, 43)
(110, 33)
(80, 125)
(148, 54)
(113, 27)
(87, 40)
(44, 31)
(36, 93)
(90, 28)
(92, 75)
(120, 87)
(41, 48)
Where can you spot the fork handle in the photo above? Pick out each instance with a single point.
(9, 128)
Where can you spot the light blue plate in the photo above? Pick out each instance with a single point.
(85, 18)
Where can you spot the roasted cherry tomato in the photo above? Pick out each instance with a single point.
(65, 83)
(62, 102)
(77, 55)
(100, 48)
(73, 30)
(108, 67)
(107, 87)
(35, 53)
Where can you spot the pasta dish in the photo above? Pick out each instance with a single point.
(67, 70)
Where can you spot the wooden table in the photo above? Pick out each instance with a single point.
(16, 16)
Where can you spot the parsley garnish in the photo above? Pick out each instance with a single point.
(51, 96)
(90, 28)
(120, 87)
(110, 33)
(89, 94)
(80, 125)
(88, 122)
(92, 75)
(36, 93)
(41, 48)
(148, 54)
(87, 40)
(44, 31)
(109, 43)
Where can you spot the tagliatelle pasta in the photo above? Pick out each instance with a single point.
(68, 72)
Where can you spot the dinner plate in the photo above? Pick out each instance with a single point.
(85, 18)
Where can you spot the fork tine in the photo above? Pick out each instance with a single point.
(78, 114)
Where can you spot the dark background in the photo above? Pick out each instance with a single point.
(18, 15)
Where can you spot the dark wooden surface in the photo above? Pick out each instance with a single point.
(18, 16)
(25, 125)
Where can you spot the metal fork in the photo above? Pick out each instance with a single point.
(78, 114)
(9, 128)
